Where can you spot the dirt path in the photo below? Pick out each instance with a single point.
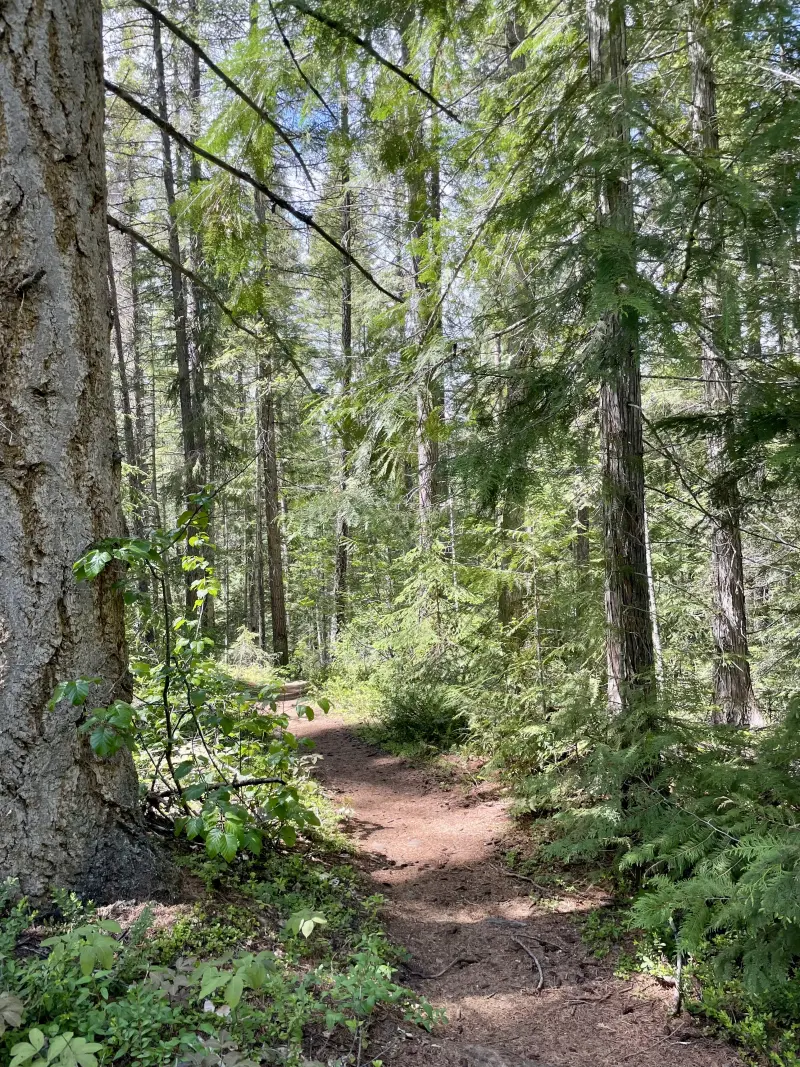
(435, 851)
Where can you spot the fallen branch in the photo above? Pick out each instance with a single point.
(599, 1000)
(525, 948)
(153, 797)
(522, 878)
(541, 941)
(444, 970)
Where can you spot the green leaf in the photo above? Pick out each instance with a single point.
(194, 827)
(183, 769)
(87, 959)
(288, 835)
(215, 841)
(252, 841)
(194, 792)
(105, 740)
(111, 925)
(212, 981)
(58, 1044)
(230, 846)
(233, 993)
(36, 1038)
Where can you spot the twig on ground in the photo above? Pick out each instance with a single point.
(599, 1000)
(444, 970)
(525, 948)
(541, 941)
(522, 878)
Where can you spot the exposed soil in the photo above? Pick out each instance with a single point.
(434, 849)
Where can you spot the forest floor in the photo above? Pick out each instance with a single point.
(434, 846)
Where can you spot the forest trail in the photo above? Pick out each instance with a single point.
(434, 850)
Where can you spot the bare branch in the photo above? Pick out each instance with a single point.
(153, 797)
(201, 284)
(288, 46)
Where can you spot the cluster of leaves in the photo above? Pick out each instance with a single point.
(222, 764)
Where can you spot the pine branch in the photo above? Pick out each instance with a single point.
(245, 176)
(180, 33)
(207, 289)
(288, 46)
(343, 31)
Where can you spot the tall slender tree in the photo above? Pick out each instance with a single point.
(733, 688)
(179, 303)
(629, 643)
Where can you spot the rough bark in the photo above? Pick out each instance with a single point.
(733, 689)
(69, 819)
(629, 644)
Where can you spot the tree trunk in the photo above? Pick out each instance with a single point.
(131, 455)
(258, 534)
(277, 596)
(422, 205)
(199, 324)
(629, 643)
(176, 278)
(733, 689)
(341, 560)
(140, 421)
(69, 819)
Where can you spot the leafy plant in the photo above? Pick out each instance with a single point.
(222, 762)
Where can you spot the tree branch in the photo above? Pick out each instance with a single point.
(217, 299)
(180, 33)
(288, 46)
(343, 31)
(243, 175)
(153, 797)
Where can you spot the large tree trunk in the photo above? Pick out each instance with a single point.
(69, 819)
(733, 689)
(629, 643)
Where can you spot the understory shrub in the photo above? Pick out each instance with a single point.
(422, 710)
(77, 989)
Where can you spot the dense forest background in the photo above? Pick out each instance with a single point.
(479, 324)
(456, 364)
